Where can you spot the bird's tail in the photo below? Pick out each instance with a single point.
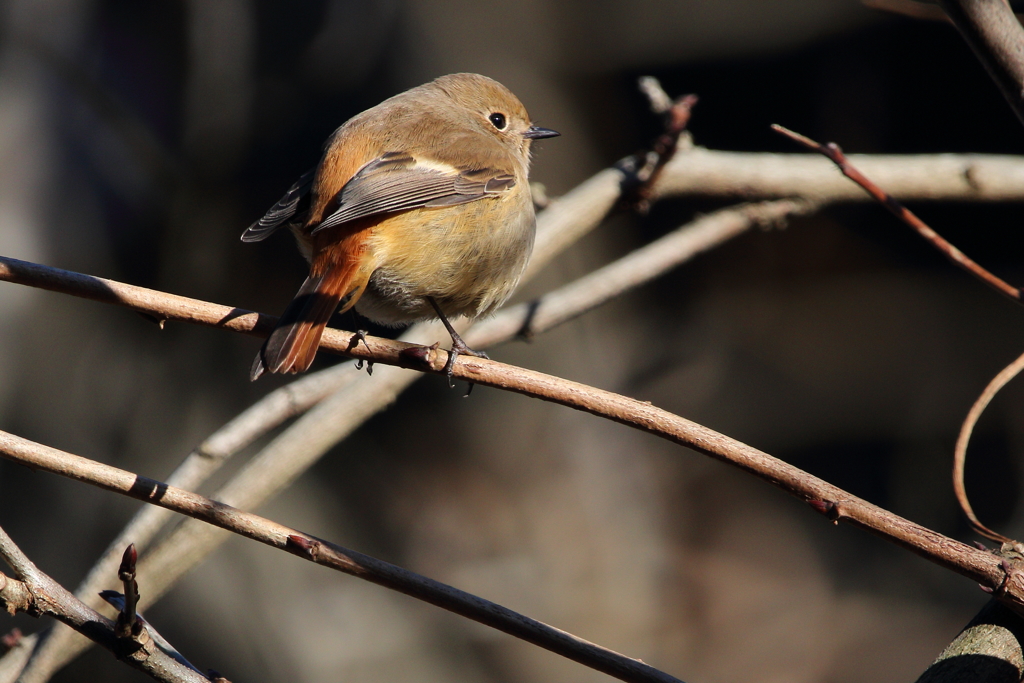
(292, 346)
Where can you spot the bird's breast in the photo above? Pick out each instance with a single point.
(468, 257)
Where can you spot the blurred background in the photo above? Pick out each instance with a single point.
(138, 140)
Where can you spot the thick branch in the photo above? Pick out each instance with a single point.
(988, 650)
(754, 175)
(329, 555)
(997, 39)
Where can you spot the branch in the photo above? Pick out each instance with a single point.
(997, 39)
(37, 594)
(757, 175)
(987, 650)
(635, 269)
(960, 451)
(835, 154)
(327, 554)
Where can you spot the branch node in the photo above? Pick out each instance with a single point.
(128, 625)
(303, 547)
(828, 508)
(419, 357)
(11, 640)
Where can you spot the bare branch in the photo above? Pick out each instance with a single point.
(329, 555)
(37, 594)
(960, 451)
(756, 175)
(997, 39)
(822, 496)
(827, 499)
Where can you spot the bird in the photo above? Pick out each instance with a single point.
(419, 208)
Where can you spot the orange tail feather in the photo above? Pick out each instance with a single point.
(292, 346)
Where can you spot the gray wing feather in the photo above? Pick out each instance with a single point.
(393, 182)
(280, 213)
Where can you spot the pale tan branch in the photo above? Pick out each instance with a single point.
(329, 555)
(755, 175)
(36, 594)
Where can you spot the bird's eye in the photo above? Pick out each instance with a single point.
(498, 120)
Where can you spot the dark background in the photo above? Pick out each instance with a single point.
(138, 140)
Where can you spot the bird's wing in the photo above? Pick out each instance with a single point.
(280, 213)
(397, 181)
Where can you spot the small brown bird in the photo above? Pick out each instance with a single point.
(419, 209)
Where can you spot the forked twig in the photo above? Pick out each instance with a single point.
(835, 154)
(36, 593)
(643, 170)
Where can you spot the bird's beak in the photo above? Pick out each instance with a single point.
(536, 133)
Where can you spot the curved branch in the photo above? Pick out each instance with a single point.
(960, 451)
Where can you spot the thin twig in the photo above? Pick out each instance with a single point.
(960, 451)
(643, 170)
(329, 555)
(909, 8)
(835, 154)
(37, 594)
(128, 624)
